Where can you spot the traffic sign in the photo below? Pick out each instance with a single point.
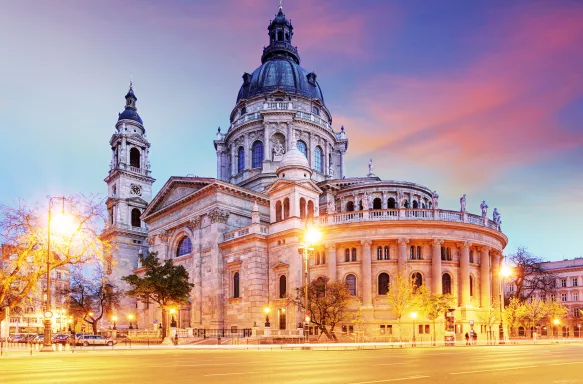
(156, 321)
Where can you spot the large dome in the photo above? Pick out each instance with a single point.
(280, 68)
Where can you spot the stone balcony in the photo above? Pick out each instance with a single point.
(244, 231)
(407, 214)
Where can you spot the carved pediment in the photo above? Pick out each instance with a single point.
(281, 184)
(137, 200)
(176, 194)
(280, 266)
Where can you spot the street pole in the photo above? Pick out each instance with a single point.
(307, 335)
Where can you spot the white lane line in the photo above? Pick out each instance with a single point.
(573, 362)
(390, 364)
(389, 380)
(237, 373)
(494, 370)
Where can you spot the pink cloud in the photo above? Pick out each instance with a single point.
(499, 112)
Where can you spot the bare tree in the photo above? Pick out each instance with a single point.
(401, 297)
(23, 235)
(328, 304)
(92, 297)
(529, 275)
(489, 317)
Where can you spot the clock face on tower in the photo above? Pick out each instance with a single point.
(136, 190)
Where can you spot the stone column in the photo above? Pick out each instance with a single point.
(331, 260)
(485, 277)
(495, 276)
(366, 273)
(465, 274)
(266, 143)
(384, 200)
(436, 267)
(402, 260)
(233, 160)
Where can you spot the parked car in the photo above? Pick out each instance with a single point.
(62, 338)
(93, 340)
(30, 337)
(16, 338)
(38, 339)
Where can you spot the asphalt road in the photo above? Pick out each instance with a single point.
(530, 364)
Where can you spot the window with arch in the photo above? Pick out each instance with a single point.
(319, 159)
(391, 203)
(350, 206)
(286, 208)
(418, 252)
(383, 284)
(377, 203)
(423, 205)
(236, 292)
(184, 247)
(310, 209)
(302, 147)
(353, 254)
(387, 253)
(302, 208)
(417, 280)
(347, 255)
(415, 204)
(406, 204)
(351, 284)
(257, 155)
(282, 286)
(241, 160)
(471, 285)
(278, 211)
(136, 222)
(379, 253)
(446, 283)
(135, 157)
(279, 35)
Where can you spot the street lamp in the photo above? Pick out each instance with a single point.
(173, 321)
(131, 317)
(114, 318)
(311, 237)
(556, 323)
(63, 224)
(504, 272)
(267, 310)
(414, 317)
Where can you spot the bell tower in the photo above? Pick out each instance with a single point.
(129, 191)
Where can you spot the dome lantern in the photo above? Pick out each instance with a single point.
(130, 112)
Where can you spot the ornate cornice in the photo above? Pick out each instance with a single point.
(218, 215)
(193, 224)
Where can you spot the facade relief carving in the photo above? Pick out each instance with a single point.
(193, 224)
(218, 215)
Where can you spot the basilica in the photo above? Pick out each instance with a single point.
(281, 165)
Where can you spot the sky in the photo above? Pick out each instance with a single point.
(477, 97)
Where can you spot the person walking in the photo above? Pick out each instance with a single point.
(467, 339)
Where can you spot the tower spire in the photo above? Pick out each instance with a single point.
(281, 32)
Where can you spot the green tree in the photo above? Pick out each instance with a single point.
(489, 317)
(401, 297)
(532, 312)
(434, 306)
(24, 241)
(512, 315)
(555, 311)
(165, 284)
(328, 304)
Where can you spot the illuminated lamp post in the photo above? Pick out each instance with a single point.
(504, 273)
(556, 322)
(413, 340)
(64, 225)
(311, 237)
(131, 317)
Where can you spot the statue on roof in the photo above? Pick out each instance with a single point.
(463, 203)
(370, 168)
(434, 200)
(484, 208)
(496, 217)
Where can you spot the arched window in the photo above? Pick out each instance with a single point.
(136, 222)
(135, 157)
(379, 253)
(310, 209)
(302, 147)
(417, 280)
(360, 207)
(302, 208)
(350, 206)
(406, 204)
(279, 35)
(278, 211)
(471, 285)
(446, 283)
(351, 284)
(346, 255)
(418, 252)
(423, 205)
(391, 204)
(383, 287)
(415, 204)
(353, 254)
(282, 287)
(241, 160)
(184, 247)
(319, 159)
(286, 208)
(387, 253)
(257, 155)
(236, 285)
(412, 252)
(377, 203)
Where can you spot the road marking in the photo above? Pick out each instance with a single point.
(389, 364)
(573, 362)
(389, 380)
(237, 373)
(494, 370)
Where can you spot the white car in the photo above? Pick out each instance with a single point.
(93, 340)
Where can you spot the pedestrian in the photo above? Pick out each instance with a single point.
(467, 339)
(475, 338)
